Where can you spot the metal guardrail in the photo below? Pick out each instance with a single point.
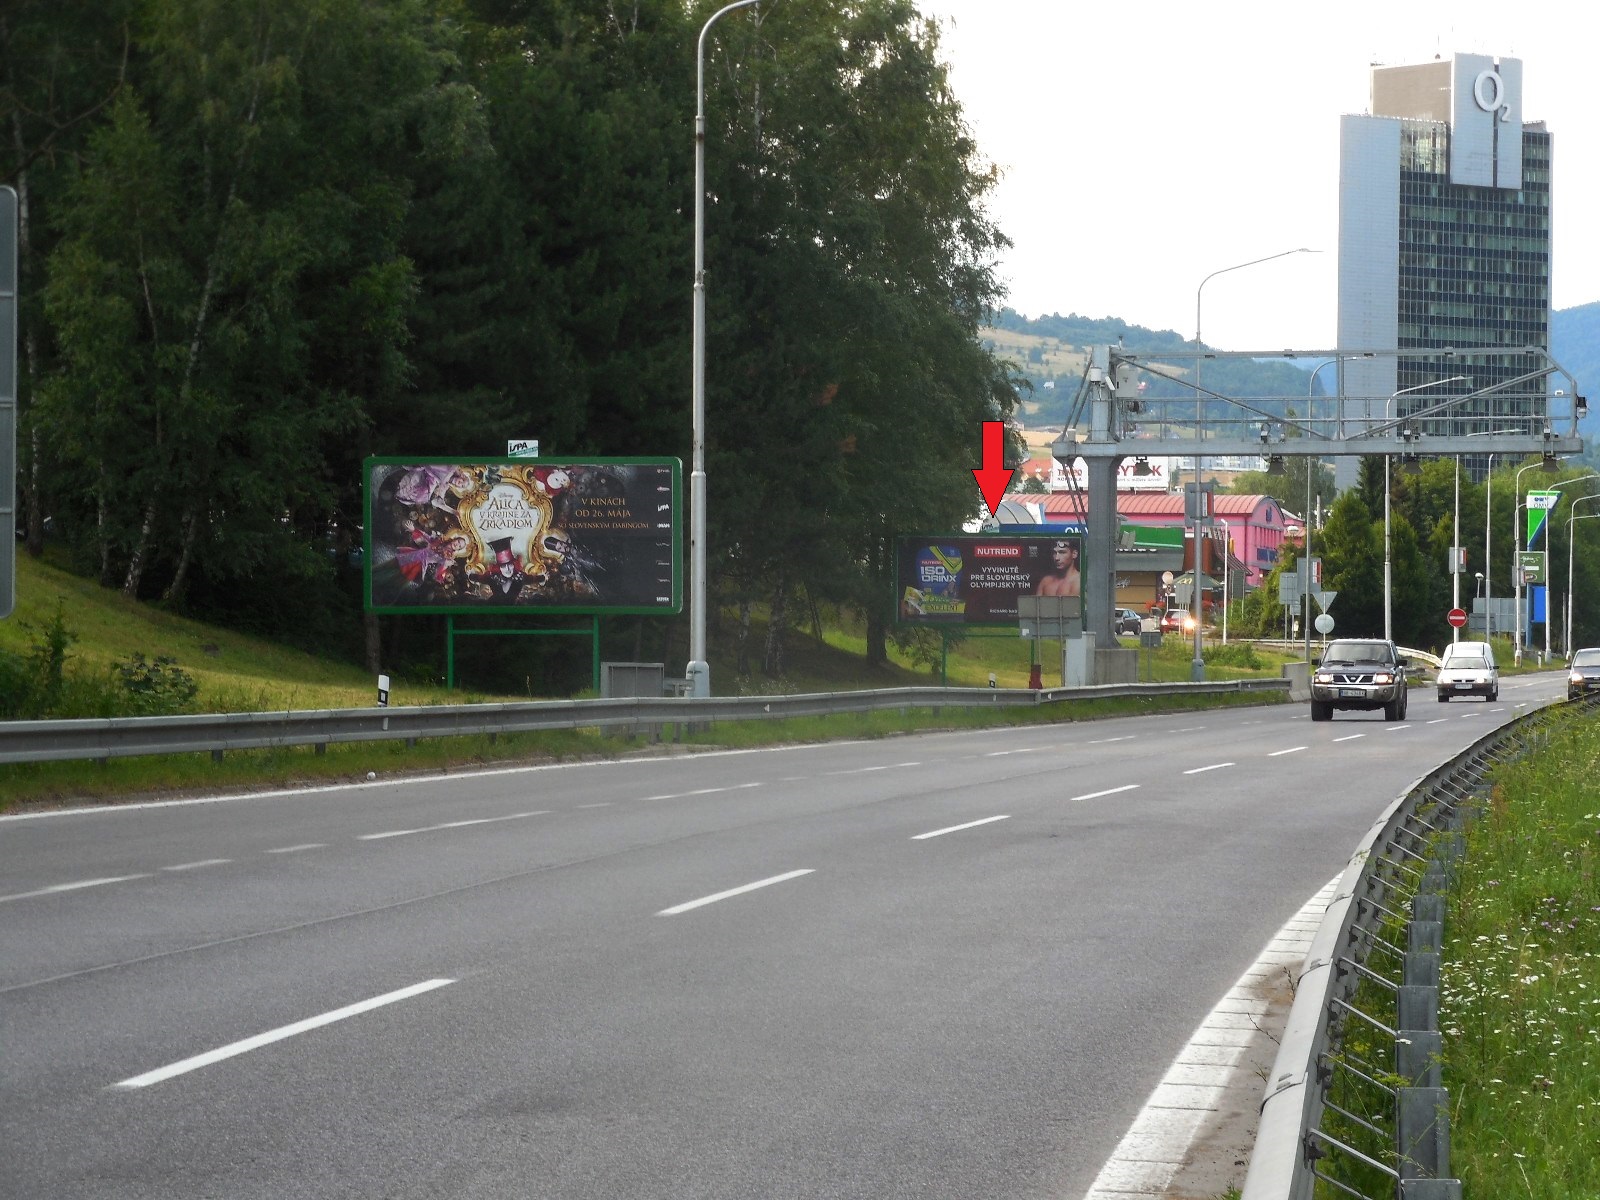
(1399, 865)
(122, 737)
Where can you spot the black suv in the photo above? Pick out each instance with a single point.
(1359, 673)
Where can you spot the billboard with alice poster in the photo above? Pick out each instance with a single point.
(975, 579)
(516, 534)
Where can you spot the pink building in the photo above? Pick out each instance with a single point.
(1255, 523)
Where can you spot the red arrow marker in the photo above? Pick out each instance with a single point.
(994, 476)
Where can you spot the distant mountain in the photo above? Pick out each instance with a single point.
(1575, 344)
(1049, 352)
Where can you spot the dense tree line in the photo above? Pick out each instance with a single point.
(263, 239)
(1421, 531)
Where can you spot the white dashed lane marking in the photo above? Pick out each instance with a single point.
(958, 828)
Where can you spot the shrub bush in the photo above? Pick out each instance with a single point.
(1234, 654)
(37, 685)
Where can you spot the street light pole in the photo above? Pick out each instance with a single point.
(1560, 483)
(698, 673)
(1312, 464)
(1197, 668)
(1516, 557)
(1388, 582)
(1455, 556)
(1488, 590)
(1572, 516)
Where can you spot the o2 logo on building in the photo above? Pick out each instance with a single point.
(1489, 92)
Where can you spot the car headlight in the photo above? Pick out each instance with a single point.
(1574, 678)
(1324, 677)
(1383, 677)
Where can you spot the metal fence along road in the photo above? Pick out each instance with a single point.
(122, 737)
(1373, 967)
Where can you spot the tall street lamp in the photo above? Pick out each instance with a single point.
(1197, 668)
(1516, 554)
(1572, 515)
(1455, 566)
(698, 673)
(1488, 587)
(1560, 483)
(1312, 465)
(1516, 509)
(1388, 588)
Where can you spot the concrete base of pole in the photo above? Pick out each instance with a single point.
(698, 676)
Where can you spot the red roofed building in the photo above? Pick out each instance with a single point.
(1255, 523)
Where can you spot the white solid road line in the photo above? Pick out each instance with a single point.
(1350, 737)
(70, 887)
(957, 828)
(277, 1035)
(1212, 767)
(195, 866)
(1290, 750)
(1151, 1152)
(738, 891)
(299, 848)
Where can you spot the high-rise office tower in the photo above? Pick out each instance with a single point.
(1444, 244)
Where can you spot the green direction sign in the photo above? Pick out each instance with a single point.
(1539, 505)
(1532, 565)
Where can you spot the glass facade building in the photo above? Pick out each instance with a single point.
(1444, 244)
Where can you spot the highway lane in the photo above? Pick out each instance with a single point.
(998, 941)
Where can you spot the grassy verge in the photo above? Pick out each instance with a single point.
(1520, 976)
(237, 673)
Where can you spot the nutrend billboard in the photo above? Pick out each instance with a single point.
(480, 535)
(976, 579)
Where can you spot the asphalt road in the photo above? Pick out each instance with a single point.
(947, 965)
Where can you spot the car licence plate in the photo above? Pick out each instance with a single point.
(1461, 687)
(1354, 692)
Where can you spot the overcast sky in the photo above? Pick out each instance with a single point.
(1145, 146)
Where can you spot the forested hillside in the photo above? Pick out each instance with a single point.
(262, 241)
(1050, 348)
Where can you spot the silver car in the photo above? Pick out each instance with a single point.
(1583, 673)
(1468, 669)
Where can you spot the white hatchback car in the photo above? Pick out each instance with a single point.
(1468, 669)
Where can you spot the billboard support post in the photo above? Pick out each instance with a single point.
(452, 633)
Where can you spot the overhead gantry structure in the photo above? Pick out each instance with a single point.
(1468, 401)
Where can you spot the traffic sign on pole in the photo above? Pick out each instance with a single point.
(1325, 600)
(1457, 617)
